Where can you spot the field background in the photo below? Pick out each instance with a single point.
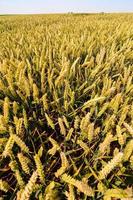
(66, 107)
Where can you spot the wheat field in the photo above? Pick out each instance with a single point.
(66, 107)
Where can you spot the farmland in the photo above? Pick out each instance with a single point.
(66, 107)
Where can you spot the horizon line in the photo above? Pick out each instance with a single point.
(69, 12)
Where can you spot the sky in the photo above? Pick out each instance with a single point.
(63, 6)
